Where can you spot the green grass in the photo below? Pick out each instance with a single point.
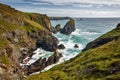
(112, 33)
(3, 43)
(34, 24)
(4, 59)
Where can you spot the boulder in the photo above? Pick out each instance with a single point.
(118, 25)
(40, 64)
(57, 29)
(69, 27)
(49, 43)
(54, 58)
(76, 46)
(61, 46)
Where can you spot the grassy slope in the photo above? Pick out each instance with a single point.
(13, 20)
(100, 63)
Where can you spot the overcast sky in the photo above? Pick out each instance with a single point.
(73, 8)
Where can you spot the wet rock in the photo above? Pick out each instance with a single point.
(54, 58)
(57, 28)
(76, 46)
(49, 43)
(40, 64)
(118, 25)
(61, 46)
(69, 27)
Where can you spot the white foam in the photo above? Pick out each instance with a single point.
(89, 33)
(76, 32)
(38, 53)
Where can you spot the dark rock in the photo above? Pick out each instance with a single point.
(40, 64)
(50, 60)
(69, 27)
(54, 58)
(76, 46)
(59, 18)
(61, 46)
(57, 28)
(49, 43)
(98, 42)
(118, 25)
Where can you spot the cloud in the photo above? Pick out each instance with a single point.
(107, 2)
(80, 8)
(83, 5)
(73, 12)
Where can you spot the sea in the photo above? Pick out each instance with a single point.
(87, 30)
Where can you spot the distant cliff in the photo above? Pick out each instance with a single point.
(100, 60)
(58, 18)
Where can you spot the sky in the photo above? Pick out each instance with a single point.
(71, 8)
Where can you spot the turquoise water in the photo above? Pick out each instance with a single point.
(87, 30)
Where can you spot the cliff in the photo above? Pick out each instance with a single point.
(59, 18)
(100, 60)
(69, 27)
(19, 33)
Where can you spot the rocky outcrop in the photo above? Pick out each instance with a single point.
(48, 43)
(69, 27)
(61, 46)
(57, 29)
(76, 46)
(98, 42)
(40, 64)
(118, 25)
(42, 19)
(53, 58)
(59, 18)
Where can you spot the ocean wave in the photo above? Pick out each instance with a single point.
(76, 32)
(89, 33)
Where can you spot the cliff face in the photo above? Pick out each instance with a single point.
(100, 60)
(19, 33)
(69, 27)
(41, 19)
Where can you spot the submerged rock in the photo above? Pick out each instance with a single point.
(69, 27)
(76, 46)
(61, 46)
